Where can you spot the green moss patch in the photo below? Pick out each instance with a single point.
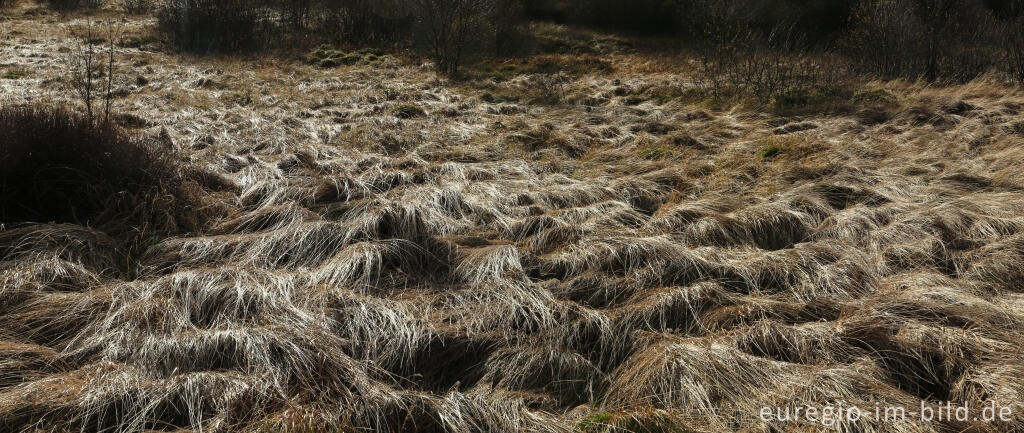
(327, 57)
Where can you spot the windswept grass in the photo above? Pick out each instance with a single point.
(369, 248)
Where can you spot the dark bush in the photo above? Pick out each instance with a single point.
(207, 26)
(57, 166)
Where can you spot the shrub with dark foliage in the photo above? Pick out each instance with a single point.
(57, 166)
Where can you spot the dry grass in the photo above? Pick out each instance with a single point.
(608, 261)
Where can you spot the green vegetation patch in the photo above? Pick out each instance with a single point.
(662, 98)
(15, 74)
(326, 56)
(769, 152)
(660, 95)
(800, 98)
(876, 96)
(655, 153)
(595, 422)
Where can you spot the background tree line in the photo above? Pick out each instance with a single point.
(943, 40)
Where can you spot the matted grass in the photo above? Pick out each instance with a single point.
(485, 264)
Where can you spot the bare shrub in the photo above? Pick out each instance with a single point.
(814, 18)
(779, 66)
(85, 63)
(62, 154)
(934, 40)
(215, 25)
(719, 34)
(452, 31)
(773, 64)
(884, 37)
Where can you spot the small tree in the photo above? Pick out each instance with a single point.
(451, 31)
(85, 63)
(721, 29)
